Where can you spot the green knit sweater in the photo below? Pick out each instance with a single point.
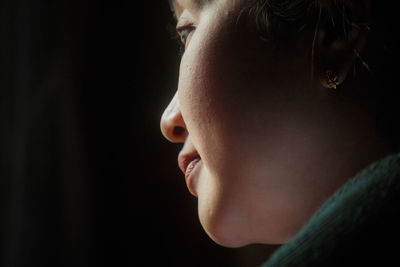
(358, 226)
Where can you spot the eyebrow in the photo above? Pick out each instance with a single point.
(171, 6)
(198, 3)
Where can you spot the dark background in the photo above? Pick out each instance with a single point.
(86, 178)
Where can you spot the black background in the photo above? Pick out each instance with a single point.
(86, 177)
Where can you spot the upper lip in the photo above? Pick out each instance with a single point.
(185, 159)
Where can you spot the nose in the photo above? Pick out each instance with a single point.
(172, 124)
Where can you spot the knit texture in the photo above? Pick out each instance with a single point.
(358, 226)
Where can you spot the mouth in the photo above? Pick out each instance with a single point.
(188, 163)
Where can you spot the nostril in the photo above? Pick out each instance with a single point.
(178, 131)
(172, 124)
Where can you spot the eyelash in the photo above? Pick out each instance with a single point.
(184, 33)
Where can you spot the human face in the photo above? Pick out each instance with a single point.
(262, 149)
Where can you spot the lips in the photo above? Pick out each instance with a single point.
(188, 163)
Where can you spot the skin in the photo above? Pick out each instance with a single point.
(275, 142)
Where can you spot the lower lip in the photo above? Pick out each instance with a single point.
(189, 174)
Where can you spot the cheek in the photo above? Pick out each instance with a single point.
(219, 101)
(207, 99)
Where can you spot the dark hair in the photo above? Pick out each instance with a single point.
(280, 21)
(283, 19)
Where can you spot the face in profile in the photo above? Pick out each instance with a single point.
(263, 144)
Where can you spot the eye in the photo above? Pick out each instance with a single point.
(185, 33)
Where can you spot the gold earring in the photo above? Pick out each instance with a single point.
(332, 79)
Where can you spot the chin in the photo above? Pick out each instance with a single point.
(225, 239)
(223, 230)
(232, 240)
(232, 231)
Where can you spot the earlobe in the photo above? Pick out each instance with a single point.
(340, 37)
(332, 79)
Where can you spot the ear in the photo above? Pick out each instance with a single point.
(340, 36)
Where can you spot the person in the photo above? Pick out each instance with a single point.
(287, 112)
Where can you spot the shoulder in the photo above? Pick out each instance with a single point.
(359, 225)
